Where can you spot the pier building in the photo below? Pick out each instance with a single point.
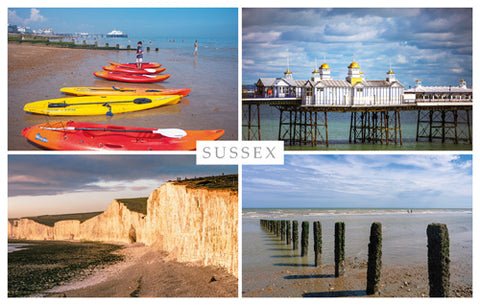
(440, 94)
(443, 112)
(322, 90)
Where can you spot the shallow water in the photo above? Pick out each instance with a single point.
(212, 103)
(404, 237)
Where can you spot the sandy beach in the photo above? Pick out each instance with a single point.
(396, 281)
(37, 72)
(147, 272)
(272, 269)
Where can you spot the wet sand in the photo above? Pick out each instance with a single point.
(396, 281)
(147, 272)
(37, 72)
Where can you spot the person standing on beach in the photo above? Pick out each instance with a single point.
(139, 55)
(195, 51)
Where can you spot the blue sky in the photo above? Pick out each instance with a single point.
(57, 184)
(361, 181)
(152, 22)
(434, 45)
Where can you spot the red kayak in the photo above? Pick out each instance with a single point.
(131, 78)
(69, 135)
(145, 65)
(124, 69)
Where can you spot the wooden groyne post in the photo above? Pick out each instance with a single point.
(339, 249)
(374, 268)
(317, 242)
(288, 236)
(295, 234)
(438, 260)
(282, 230)
(305, 227)
(277, 227)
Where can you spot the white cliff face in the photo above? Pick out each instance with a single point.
(66, 230)
(193, 225)
(116, 224)
(29, 229)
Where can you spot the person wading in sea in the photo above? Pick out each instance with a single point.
(195, 51)
(139, 55)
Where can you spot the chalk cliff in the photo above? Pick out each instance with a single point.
(195, 224)
(116, 224)
(192, 224)
(28, 229)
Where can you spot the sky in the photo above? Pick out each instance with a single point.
(433, 45)
(150, 22)
(62, 184)
(360, 181)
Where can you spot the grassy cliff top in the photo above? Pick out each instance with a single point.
(138, 205)
(223, 182)
(50, 220)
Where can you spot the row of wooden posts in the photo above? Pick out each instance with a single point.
(438, 251)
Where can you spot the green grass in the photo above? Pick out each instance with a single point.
(138, 205)
(224, 182)
(46, 264)
(50, 220)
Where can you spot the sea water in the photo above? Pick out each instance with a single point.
(17, 247)
(404, 237)
(339, 129)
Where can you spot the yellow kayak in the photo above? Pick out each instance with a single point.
(99, 105)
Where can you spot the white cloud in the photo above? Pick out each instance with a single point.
(35, 16)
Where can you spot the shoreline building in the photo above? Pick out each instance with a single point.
(354, 90)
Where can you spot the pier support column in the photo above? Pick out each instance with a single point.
(339, 249)
(251, 117)
(438, 260)
(317, 242)
(376, 126)
(305, 228)
(374, 258)
(444, 125)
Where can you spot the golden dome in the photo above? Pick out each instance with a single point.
(354, 65)
(288, 71)
(324, 66)
(390, 72)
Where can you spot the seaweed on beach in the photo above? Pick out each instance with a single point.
(46, 264)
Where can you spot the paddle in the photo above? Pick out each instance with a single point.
(64, 104)
(166, 132)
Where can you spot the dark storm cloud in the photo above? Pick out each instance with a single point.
(57, 174)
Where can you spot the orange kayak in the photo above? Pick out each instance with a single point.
(70, 135)
(129, 70)
(131, 78)
(145, 65)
